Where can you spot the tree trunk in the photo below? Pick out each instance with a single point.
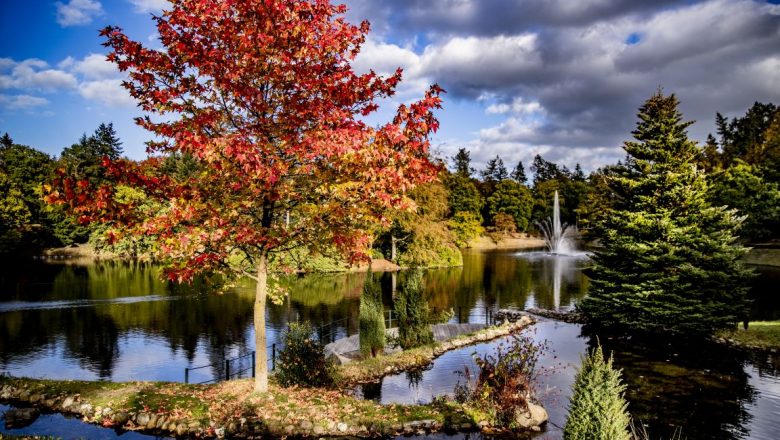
(393, 241)
(261, 349)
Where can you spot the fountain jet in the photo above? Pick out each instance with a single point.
(554, 232)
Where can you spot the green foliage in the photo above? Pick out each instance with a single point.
(494, 171)
(597, 409)
(84, 159)
(513, 199)
(463, 195)
(14, 215)
(462, 163)
(465, 226)
(413, 314)
(504, 383)
(302, 362)
(518, 174)
(743, 188)
(743, 137)
(669, 261)
(372, 319)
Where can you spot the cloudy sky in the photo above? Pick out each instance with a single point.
(560, 78)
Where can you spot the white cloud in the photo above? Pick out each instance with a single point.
(517, 106)
(107, 91)
(35, 74)
(21, 102)
(95, 66)
(149, 5)
(78, 12)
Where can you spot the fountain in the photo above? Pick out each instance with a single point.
(554, 232)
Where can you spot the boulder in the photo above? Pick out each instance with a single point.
(534, 416)
(20, 417)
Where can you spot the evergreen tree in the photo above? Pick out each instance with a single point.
(84, 159)
(710, 156)
(413, 314)
(518, 174)
(743, 137)
(107, 142)
(6, 141)
(462, 162)
(578, 174)
(597, 409)
(544, 170)
(495, 171)
(372, 320)
(669, 261)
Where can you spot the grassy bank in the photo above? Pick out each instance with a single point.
(760, 335)
(233, 409)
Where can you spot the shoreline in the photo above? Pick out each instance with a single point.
(233, 410)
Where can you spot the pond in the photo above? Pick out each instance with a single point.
(118, 321)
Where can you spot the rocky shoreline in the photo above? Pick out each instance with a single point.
(117, 405)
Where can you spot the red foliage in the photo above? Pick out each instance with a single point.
(261, 94)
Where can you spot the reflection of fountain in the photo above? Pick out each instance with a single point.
(554, 232)
(557, 272)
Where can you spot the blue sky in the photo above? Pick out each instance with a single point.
(554, 77)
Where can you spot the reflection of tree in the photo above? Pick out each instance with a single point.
(700, 388)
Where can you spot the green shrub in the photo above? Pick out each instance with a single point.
(597, 409)
(504, 382)
(413, 314)
(302, 361)
(372, 320)
(465, 226)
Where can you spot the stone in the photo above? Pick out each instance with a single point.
(152, 422)
(534, 416)
(232, 427)
(466, 426)
(307, 425)
(342, 427)
(161, 422)
(106, 412)
(289, 429)
(20, 417)
(85, 409)
(121, 418)
(181, 429)
(142, 419)
(67, 402)
(318, 430)
(220, 432)
(36, 398)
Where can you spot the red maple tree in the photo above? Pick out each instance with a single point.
(261, 96)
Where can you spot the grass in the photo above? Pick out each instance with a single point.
(762, 335)
(226, 402)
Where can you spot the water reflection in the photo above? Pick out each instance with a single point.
(118, 321)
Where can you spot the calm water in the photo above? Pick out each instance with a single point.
(117, 321)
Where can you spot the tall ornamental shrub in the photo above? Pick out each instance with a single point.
(413, 313)
(669, 261)
(372, 320)
(302, 362)
(597, 409)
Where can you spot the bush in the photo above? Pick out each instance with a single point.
(302, 361)
(465, 226)
(504, 383)
(413, 314)
(372, 320)
(597, 409)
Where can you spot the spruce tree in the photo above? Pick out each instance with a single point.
(495, 171)
(669, 260)
(372, 320)
(462, 162)
(597, 409)
(518, 174)
(412, 313)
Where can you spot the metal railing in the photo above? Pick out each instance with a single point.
(244, 365)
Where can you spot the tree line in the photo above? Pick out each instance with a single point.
(741, 165)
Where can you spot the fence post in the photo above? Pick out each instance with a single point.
(253, 364)
(273, 357)
(186, 375)
(227, 369)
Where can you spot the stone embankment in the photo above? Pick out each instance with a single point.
(232, 410)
